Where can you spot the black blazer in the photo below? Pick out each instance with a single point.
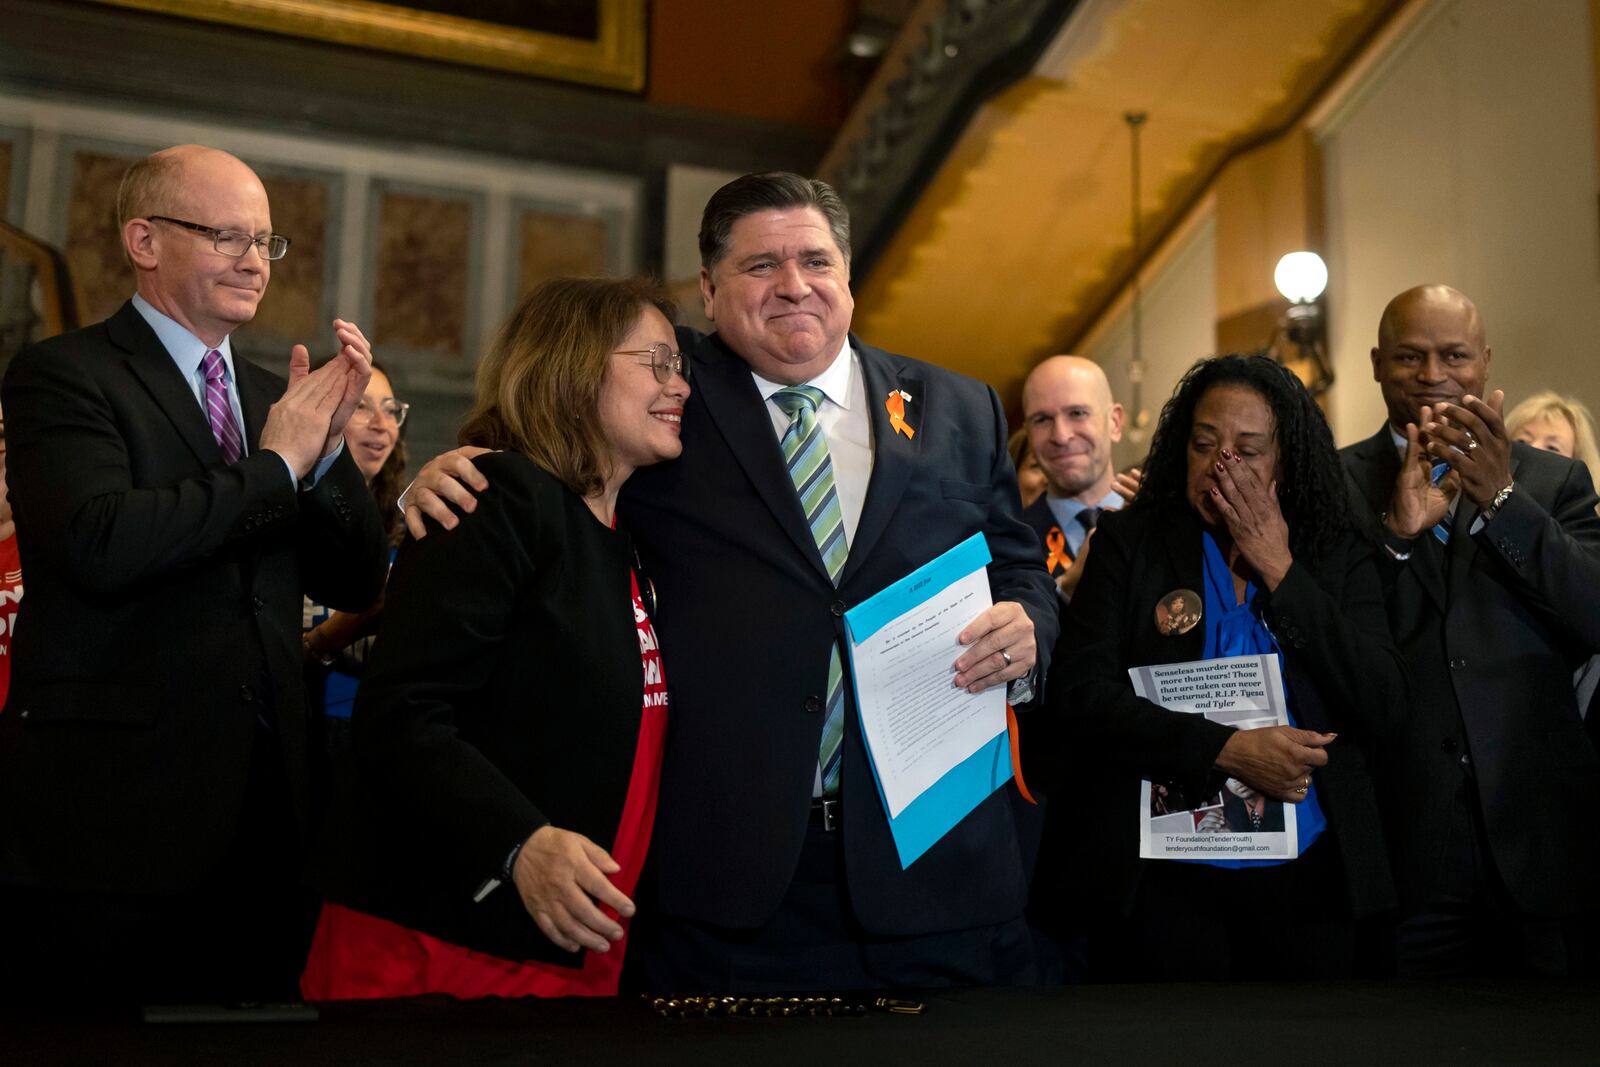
(1492, 638)
(163, 611)
(1042, 520)
(747, 615)
(1341, 672)
(503, 693)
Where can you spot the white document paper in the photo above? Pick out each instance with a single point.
(1235, 823)
(918, 724)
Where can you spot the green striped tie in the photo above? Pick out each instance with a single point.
(811, 469)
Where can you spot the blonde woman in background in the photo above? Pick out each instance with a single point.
(1563, 425)
(1559, 424)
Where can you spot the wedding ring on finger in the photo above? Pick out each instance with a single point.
(1472, 442)
(1005, 656)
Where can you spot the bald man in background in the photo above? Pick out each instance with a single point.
(1071, 422)
(173, 503)
(1491, 563)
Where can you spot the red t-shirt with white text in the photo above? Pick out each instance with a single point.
(10, 597)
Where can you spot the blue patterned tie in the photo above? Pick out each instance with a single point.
(811, 469)
(1441, 529)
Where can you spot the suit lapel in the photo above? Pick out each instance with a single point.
(256, 395)
(723, 383)
(153, 365)
(894, 456)
(1463, 547)
(1381, 466)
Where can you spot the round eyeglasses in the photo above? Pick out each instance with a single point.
(663, 362)
(366, 410)
(234, 242)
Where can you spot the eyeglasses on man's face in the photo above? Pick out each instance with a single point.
(663, 362)
(234, 242)
(366, 410)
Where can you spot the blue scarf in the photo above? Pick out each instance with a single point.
(1235, 629)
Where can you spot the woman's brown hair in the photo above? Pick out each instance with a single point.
(391, 480)
(538, 389)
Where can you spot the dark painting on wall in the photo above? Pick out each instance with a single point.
(579, 19)
(597, 42)
(423, 265)
(559, 245)
(297, 307)
(93, 238)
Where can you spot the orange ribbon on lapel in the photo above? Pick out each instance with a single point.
(896, 406)
(1056, 542)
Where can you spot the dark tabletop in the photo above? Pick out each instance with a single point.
(1241, 1025)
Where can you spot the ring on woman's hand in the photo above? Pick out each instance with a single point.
(1005, 656)
(1299, 789)
(1472, 442)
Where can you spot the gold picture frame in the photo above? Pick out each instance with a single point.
(615, 60)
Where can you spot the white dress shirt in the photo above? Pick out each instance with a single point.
(846, 425)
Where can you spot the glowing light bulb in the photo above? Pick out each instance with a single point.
(1301, 277)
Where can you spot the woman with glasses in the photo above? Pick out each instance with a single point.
(508, 730)
(336, 643)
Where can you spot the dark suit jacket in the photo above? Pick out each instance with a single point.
(1042, 520)
(747, 616)
(1238, 816)
(1341, 672)
(503, 694)
(1492, 641)
(162, 615)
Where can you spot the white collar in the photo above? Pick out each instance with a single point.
(833, 382)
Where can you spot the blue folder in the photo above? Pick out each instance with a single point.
(969, 783)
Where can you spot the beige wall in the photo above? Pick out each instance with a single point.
(1179, 310)
(1467, 155)
(1462, 149)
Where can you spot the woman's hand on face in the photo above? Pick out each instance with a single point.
(1275, 760)
(1255, 522)
(560, 876)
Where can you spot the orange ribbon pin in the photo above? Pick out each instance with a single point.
(1056, 542)
(896, 406)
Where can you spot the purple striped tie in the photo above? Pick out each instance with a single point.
(218, 410)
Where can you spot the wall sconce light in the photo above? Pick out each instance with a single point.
(1301, 277)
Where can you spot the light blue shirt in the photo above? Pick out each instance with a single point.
(188, 352)
(1066, 510)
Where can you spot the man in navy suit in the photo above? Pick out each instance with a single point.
(1071, 422)
(773, 864)
(1490, 556)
